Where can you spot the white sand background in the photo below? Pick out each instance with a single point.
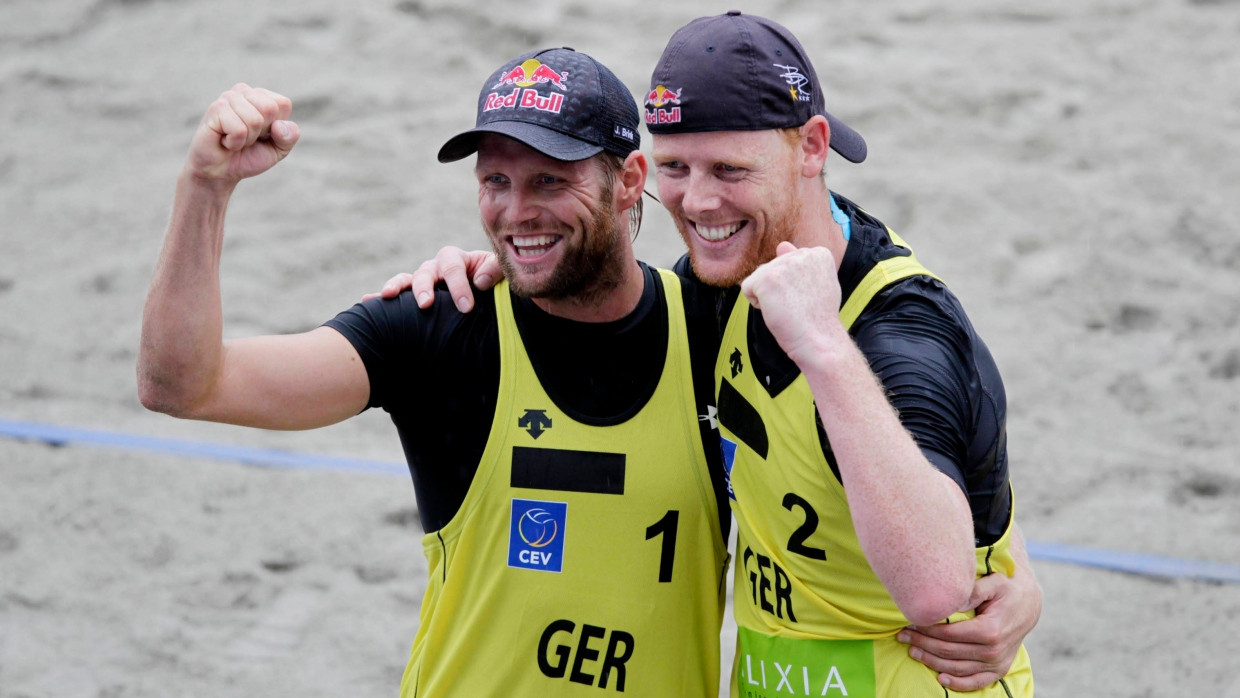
(1071, 168)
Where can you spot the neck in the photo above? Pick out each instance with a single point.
(604, 302)
(816, 227)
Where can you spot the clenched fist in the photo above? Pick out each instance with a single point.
(244, 133)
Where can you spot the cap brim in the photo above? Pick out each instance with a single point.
(551, 143)
(846, 141)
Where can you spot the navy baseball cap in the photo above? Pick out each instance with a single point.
(560, 102)
(735, 72)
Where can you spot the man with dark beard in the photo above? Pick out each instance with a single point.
(575, 523)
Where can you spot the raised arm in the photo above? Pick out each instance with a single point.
(184, 367)
(913, 521)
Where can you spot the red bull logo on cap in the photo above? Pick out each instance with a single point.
(525, 78)
(661, 95)
(659, 98)
(532, 72)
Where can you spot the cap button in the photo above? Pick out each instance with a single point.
(734, 13)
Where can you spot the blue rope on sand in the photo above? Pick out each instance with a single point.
(1114, 560)
(1135, 563)
(264, 457)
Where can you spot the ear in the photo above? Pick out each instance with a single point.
(632, 180)
(815, 144)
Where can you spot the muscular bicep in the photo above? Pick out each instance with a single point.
(297, 381)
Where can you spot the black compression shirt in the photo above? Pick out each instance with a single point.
(436, 372)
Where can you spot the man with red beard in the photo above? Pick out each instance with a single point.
(862, 417)
(575, 523)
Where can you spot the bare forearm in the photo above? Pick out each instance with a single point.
(912, 521)
(182, 327)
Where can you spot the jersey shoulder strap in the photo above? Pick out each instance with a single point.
(881, 276)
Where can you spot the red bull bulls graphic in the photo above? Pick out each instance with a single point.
(525, 78)
(532, 72)
(659, 98)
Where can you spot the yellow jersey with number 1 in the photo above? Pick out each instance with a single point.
(586, 558)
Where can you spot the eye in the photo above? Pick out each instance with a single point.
(548, 179)
(494, 179)
(728, 168)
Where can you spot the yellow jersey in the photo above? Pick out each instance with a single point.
(812, 617)
(586, 558)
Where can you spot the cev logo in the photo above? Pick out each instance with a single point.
(536, 535)
(539, 525)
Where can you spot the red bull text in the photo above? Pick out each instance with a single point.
(527, 98)
(658, 98)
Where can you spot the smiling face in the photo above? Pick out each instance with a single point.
(553, 224)
(732, 194)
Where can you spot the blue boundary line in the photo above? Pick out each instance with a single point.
(264, 457)
(1114, 560)
(1135, 563)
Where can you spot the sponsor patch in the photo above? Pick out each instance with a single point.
(566, 470)
(729, 458)
(663, 105)
(536, 535)
(769, 666)
(524, 80)
(528, 98)
(533, 72)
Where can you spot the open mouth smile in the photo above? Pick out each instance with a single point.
(533, 245)
(715, 233)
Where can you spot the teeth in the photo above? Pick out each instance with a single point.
(716, 233)
(528, 245)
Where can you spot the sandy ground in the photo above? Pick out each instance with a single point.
(1070, 168)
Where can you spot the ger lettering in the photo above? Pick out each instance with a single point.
(556, 651)
(761, 569)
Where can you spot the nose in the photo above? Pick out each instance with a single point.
(700, 194)
(520, 206)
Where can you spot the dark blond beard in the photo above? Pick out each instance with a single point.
(584, 274)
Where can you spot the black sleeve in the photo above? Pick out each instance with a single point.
(436, 372)
(380, 331)
(943, 381)
(921, 360)
(408, 350)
